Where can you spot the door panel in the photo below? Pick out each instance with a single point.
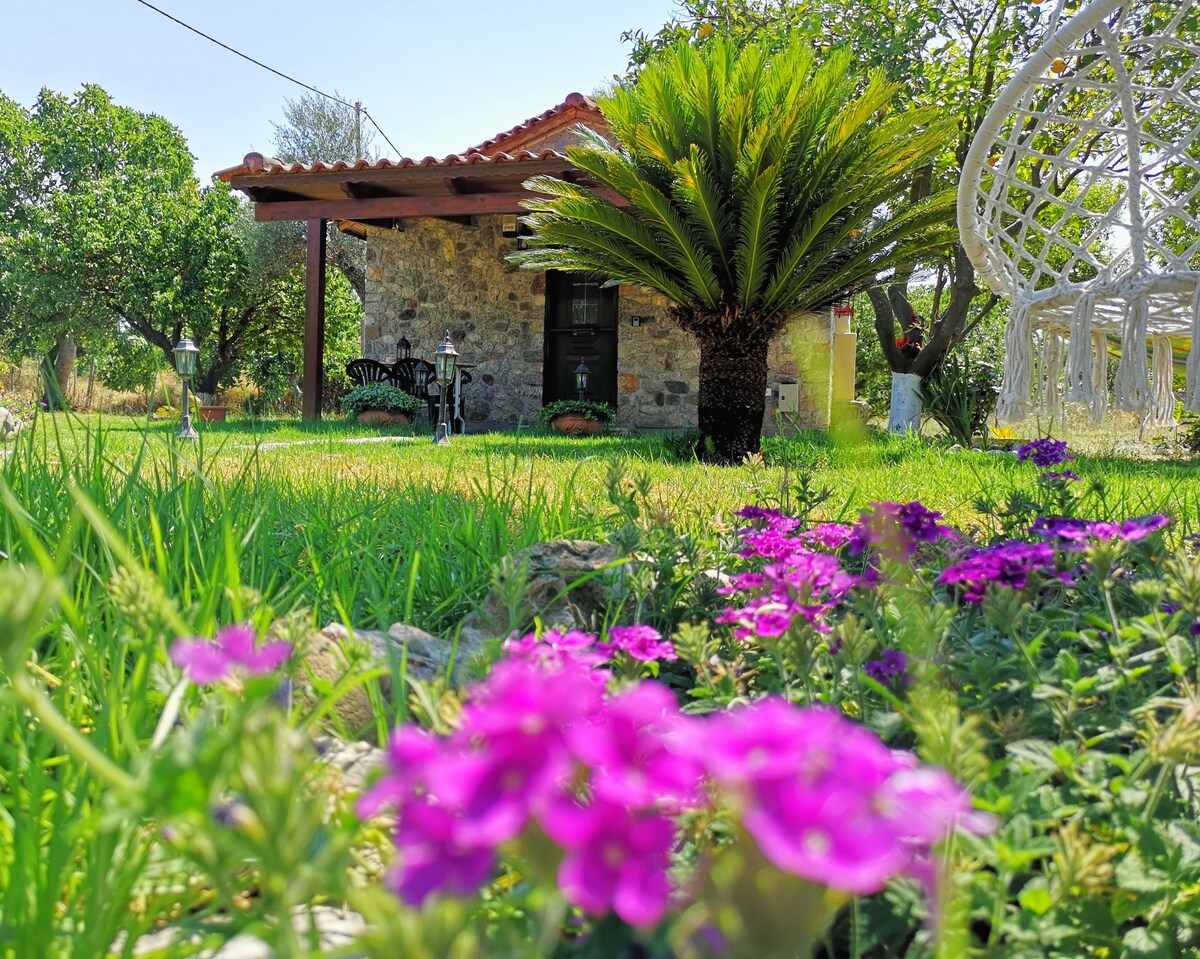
(581, 324)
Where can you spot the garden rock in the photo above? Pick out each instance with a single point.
(558, 590)
(9, 424)
(336, 929)
(332, 651)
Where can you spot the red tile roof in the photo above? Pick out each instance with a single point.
(255, 164)
(574, 109)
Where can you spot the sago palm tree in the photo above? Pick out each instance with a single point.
(762, 186)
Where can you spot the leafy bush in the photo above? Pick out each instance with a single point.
(961, 394)
(589, 410)
(380, 396)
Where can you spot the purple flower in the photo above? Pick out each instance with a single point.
(1075, 533)
(896, 529)
(205, 662)
(643, 643)
(771, 519)
(1010, 564)
(1044, 453)
(1061, 476)
(893, 662)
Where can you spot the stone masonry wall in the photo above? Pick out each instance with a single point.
(437, 275)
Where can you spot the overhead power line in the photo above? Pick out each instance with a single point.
(279, 73)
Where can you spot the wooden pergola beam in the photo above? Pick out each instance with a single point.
(402, 207)
(314, 321)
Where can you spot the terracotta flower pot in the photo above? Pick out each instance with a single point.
(214, 414)
(384, 418)
(575, 425)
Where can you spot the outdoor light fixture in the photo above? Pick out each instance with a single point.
(581, 377)
(444, 362)
(404, 348)
(186, 354)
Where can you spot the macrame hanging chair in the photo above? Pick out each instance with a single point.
(1080, 203)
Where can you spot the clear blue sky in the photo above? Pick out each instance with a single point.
(437, 76)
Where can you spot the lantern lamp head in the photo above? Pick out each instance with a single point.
(445, 360)
(186, 354)
(581, 376)
(404, 348)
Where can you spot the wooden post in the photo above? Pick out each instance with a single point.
(314, 322)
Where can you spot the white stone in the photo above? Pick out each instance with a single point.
(9, 424)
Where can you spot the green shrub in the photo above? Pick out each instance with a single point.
(589, 410)
(380, 396)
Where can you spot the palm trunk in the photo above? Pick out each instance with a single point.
(733, 386)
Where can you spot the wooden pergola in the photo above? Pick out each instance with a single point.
(486, 179)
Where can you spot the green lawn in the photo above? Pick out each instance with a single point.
(378, 531)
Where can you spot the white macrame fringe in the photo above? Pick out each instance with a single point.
(1099, 377)
(1049, 394)
(1132, 386)
(1192, 396)
(1079, 388)
(1013, 405)
(1162, 409)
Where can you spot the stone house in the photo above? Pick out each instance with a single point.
(438, 233)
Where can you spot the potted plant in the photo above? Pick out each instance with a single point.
(381, 403)
(576, 417)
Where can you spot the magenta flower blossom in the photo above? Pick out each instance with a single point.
(1010, 564)
(638, 751)
(602, 778)
(643, 643)
(557, 648)
(896, 529)
(1044, 453)
(827, 536)
(618, 860)
(771, 519)
(824, 798)
(433, 859)
(234, 649)
(804, 587)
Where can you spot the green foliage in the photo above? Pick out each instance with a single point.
(961, 394)
(756, 180)
(589, 410)
(1069, 709)
(380, 396)
(106, 235)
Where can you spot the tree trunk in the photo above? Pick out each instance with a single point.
(733, 386)
(61, 360)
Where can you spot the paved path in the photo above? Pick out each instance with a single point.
(284, 444)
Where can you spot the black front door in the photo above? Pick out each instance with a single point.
(581, 324)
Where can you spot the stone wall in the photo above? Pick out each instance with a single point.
(437, 275)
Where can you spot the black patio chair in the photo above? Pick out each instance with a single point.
(362, 372)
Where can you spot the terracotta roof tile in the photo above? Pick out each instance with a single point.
(572, 106)
(255, 164)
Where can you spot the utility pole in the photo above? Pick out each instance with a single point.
(358, 129)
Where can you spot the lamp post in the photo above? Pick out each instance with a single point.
(444, 362)
(185, 365)
(581, 377)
